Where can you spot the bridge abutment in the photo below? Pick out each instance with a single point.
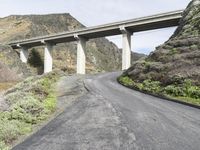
(126, 48)
(48, 59)
(81, 58)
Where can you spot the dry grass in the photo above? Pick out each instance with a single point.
(6, 74)
(6, 85)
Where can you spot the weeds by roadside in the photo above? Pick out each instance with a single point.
(184, 91)
(30, 102)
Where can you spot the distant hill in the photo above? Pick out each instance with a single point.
(102, 55)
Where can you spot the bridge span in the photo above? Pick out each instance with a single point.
(125, 28)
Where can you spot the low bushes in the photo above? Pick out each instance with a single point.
(30, 102)
(3, 146)
(184, 91)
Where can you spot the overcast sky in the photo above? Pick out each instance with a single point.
(96, 12)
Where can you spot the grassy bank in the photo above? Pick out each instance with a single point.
(30, 102)
(184, 91)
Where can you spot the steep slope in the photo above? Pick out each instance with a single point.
(175, 64)
(11, 68)
(102, 55)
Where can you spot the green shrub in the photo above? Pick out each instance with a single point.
(194, 92)
(177, 80)
(140, 86)
(181, 89)
(151, 86)
(28, 110)
(194, 46)
(14, 97)
(147, 85)
(187, 83)
(31, 101)
(126, 81)
(50, 102)
(147, 65)
(9, 130)
(173, 51)
(3, 146)
(174, 90)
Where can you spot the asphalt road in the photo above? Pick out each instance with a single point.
(112, 117)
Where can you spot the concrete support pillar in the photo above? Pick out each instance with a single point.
(24, 54)
(126, 48)
(48, 60)
(81, 44)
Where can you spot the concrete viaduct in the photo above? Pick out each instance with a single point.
(126, 28)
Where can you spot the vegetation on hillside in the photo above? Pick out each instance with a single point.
(30, 102)
(182, 90)
(173, 69)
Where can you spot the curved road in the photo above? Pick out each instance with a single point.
(156, 123)
(111, 116)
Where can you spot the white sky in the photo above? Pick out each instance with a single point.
(96, 12)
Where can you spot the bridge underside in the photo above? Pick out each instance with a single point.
(125, 28)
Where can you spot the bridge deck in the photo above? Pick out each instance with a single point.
(158, 21)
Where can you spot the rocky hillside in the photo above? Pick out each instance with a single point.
(178, 57)
(11, 68)
(177, 61)
(102, 55)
